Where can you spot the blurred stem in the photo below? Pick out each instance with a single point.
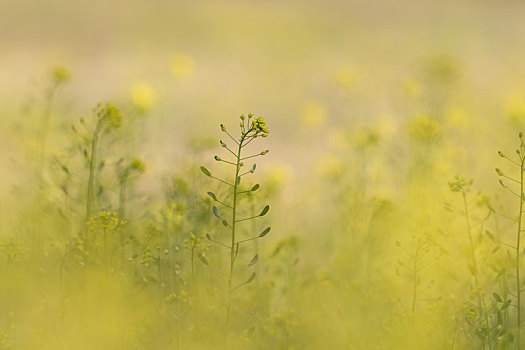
(518, 238)
(481, 304)
(91, 180)
(45, 131)
(415, 278)
(122, 195)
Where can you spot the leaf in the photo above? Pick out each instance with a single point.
(497, 297)
(216, 212)
(265, 232)
(489, 235)
(205, 171)
(225, 223)
(203, 259)
(249, 331)
(212, 195)
(265, 210)
(208, 236)
(255, 188)
(252, 277)
(254, 260)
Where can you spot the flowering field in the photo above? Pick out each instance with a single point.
(262, 175)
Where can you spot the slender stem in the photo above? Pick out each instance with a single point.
(234, 214)
(122, 196)
(414, 291)
(91, 180)
(518, 238)
(481, 304)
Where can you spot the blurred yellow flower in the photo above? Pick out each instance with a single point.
(143, 96)
(313, 115)
(411, 88)
(329, 166)
(515, 107)
(60, 74)
(457, 117)
(182, 65)
(279, 175)
(424, 129)
(338, 139)
(345, 77)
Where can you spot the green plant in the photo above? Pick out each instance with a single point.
(250, 129)
(108, 119)
(59, 76)
(484, 316)
(124, 173)
(521, 198)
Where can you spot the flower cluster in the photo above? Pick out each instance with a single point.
(194, 242)
(110, 114)
(105, 220)
(259, 125)
(460, 184)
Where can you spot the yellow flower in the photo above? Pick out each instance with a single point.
(424, 129)
(313, 115)
(60, 74)
(182, 65)
(143, 96)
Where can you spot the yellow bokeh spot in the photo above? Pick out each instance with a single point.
(515, 107)
(457, 117)
(329, 166)
(279, 175)
(424, 129)
(142, 96)
(313, 115)
(411, 88)
(345, 77)
(182, 65)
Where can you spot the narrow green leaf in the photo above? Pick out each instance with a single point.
(205, 171)
(489, 235)
(203, 259)
(254, 260)
(249, 331)
(265, 232)
(265, 210)
(252, 277)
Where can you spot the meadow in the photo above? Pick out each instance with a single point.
(262, 175)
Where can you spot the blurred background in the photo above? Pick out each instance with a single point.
(373, 108)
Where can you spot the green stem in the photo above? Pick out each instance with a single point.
(233, 243)
(518, 291)
(122, 196)
(414, 291)
(91, 180)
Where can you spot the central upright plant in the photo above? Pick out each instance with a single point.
(520, 182)
(250, 129)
